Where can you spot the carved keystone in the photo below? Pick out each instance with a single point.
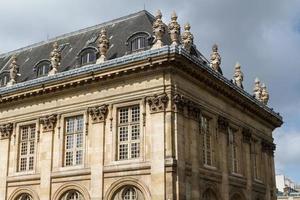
(6, 131)
(98, 113)
(48, 122)
(158, 103)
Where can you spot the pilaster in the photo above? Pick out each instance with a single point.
(97, 136)
(46, 141)
(5, 133)
(247, 160)
(158, 105)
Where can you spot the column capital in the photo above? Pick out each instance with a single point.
(6, 131)
(98, 113)
(48, 122)
(246, 135)
(158, 103)
(223, 124)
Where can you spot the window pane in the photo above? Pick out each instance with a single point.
(69, 158)
(135, 150)
(123, 115)
(135, 132)
(123, 154)
(123, 131)
(79, 157)
(135, 114)
(70, 141)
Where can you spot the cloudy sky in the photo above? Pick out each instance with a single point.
(264, 36)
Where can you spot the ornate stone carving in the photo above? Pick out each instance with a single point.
(238, 76)
(55, 58)
(13, 71)
(98, 113)
(179, 102)
(158, 30)
(187, 38)
(193, 110)
(174, 29)
(223, 124)
(257, 89)
(48, 122)
(158, 103)
(246, 135)
(268, 147)
(103, 46)
(6, 131)
(215, 59)
(264, 94)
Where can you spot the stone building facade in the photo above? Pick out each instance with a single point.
(130, 110)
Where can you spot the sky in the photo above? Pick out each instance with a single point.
(264, 36)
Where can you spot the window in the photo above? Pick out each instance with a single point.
(138, 43)
(207, 141)
(233, 143)
(88, 56)
(4, 78)
(129, 194)
(24, 197)
(129, 133)
(43, 68)
(27, 147)
(72, 195)
(73, 141)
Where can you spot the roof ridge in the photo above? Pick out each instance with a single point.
(72, 33)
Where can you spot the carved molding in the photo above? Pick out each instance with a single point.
(223, 124)
(158, 103)
(48, 122)
(6, 131)
(98, 113)
(268, 147)
(246, 135)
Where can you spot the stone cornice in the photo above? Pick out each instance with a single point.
(158, 103)
(48, 122)
(98, 113)
(6, 131)
(140, 61)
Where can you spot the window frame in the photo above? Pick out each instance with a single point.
(42, 64)
(4, 76)
(87, 51)
(135, 36)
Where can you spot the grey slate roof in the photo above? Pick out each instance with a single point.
(118, 30)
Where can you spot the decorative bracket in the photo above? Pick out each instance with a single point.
(98, 113)
(223, 124)
(48, 122)
(246, 135)
(6, 131)
(158, 103)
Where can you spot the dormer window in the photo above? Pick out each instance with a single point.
(4, 78)
(87, 56)
(42, 68)
(138, 41)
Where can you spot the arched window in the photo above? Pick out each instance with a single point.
(129, 194)
(24, 197)
(87, 56)
(72, 195)
(138, 41)
(4, 78)
(42, 68)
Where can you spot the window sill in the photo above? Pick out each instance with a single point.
(70, 168)
(210, 167)
(237, 174)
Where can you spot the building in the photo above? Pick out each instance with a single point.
(283, 182)
(130, 109)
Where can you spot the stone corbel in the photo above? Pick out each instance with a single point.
(48, 122)
(158, 103)
(6, 131)
(223, 124)
(179, 102)
(268, 147)
(246, 135)
(98, 113)
(193, 111)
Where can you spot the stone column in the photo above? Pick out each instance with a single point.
(5, 133)
(223, 155)
(157, 105)
(97, 137)
(46, 142)
(247, 160)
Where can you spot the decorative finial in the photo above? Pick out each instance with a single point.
(238, 76)
(55, 58)
(13, 71)
(187, 38)
(215, 59)
(174, 29)
(264, 94)
(103, 46)
(257, 89)
(158, 30)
